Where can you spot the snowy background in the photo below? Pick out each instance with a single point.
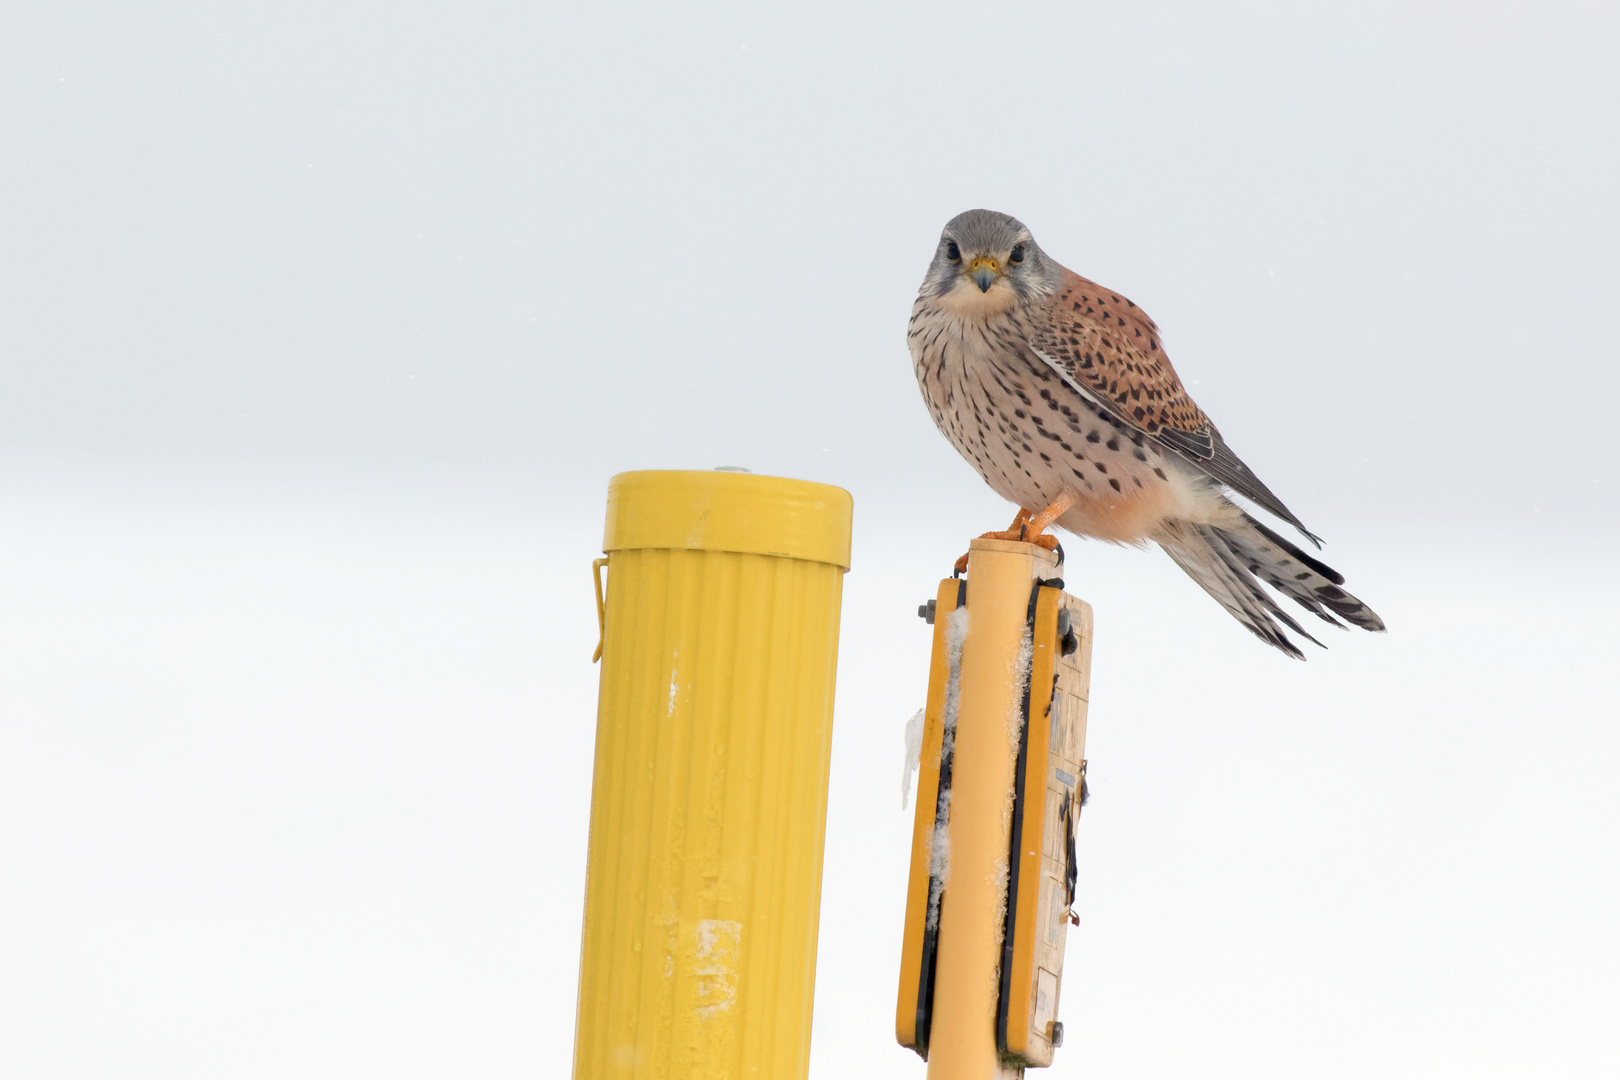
(323, 327)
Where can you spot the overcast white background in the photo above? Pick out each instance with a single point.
(323, 327)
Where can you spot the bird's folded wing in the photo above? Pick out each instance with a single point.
(1108, 350)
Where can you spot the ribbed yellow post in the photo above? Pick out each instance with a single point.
(962, 1044)
(709, 798)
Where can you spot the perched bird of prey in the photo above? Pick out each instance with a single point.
(1059, 392)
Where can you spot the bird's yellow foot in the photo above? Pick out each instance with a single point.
(1028, 528)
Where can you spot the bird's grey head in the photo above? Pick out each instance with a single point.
(987, 263)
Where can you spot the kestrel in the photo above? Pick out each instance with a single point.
(1059, 393)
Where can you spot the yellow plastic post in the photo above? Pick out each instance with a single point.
(709, 797)
(962, 1043)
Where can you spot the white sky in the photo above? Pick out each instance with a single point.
(323, 326)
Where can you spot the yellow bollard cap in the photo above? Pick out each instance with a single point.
(728, 511)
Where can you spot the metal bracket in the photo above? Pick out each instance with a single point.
(601, 609)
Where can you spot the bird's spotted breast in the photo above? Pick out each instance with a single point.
(1030, 435)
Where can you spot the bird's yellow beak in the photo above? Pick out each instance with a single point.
(984, 271)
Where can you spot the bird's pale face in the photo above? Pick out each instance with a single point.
(986, 264)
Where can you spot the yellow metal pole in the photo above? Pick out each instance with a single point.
(962, 1043)
(709, 797)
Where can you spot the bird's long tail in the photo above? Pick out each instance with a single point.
(1230, 562)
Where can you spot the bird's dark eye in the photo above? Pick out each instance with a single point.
(952, 252)
(1017, 255)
